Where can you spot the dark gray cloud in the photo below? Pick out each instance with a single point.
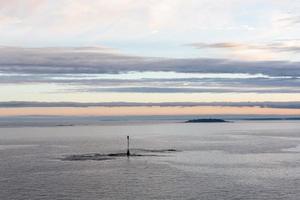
(190, 90)
(265, 82)
(173, 85)
(70, 61)
(23, 104)
(65, 65)
(193, 85)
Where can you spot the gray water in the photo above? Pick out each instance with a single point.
(241, 160)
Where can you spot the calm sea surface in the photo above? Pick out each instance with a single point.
(240, 160)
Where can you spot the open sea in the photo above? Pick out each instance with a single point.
(239, 160)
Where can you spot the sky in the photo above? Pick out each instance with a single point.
(148, 57)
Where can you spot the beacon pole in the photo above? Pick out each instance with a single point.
(128, 152)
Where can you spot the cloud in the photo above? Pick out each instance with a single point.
(276, 46)
(99, 16)
(253, 51)
(76, 61)
(190, 90)
(76, 22)
(24, 104)
(137, 30)
(292, 19)
(102, 69)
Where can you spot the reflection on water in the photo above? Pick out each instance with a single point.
(242, 160)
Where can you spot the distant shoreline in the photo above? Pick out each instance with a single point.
(60, 122)
(272, 119)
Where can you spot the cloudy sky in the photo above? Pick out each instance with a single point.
(99, 57)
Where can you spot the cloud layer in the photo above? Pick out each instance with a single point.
(149, 50)
(103, 70)
(291, 46)
(145, 25)
(23, 104)
(90, 61)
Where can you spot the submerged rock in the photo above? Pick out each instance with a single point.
(156, 150)
(92, 156)
(111, 156)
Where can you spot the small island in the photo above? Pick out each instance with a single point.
(206, 121)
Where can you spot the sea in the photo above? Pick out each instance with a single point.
(241, 159)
